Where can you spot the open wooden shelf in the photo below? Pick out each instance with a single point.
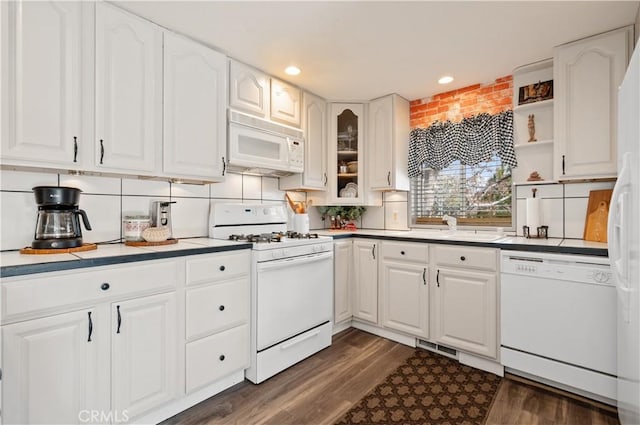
(533, 105)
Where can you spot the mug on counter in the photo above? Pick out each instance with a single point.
(301, 223)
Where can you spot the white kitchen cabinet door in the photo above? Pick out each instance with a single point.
(248, 89)
(195, 130)
(342, 264)
(55, 369)
(314, 125)
(42, 83)
(587, 74)
(285, 103)
(466, 311)
(144, 354)
(128, 92)
(387, 143)
(405, 297)
(365, 280)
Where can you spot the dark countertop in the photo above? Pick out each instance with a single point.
(15, 264)
(510, 243)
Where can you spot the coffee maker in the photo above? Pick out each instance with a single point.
(161, 215)
(58, 221)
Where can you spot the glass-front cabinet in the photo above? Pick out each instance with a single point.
(346, 137)
(346, 163)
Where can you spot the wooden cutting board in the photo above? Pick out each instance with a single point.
(595, 224)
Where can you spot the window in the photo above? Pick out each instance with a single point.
(478, 195)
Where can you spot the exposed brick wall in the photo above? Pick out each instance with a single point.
(457, 104)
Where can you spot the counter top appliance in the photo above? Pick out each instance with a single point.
(558, 321)
(291, 285)
(58, 219)
(261, 147)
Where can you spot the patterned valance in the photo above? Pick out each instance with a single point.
(472, 140)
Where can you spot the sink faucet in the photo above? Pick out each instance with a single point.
(452, 222)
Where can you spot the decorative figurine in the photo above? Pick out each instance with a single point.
(532, 129)
(534, 177)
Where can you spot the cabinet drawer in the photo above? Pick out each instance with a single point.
(210, 267)
(217, 307)
(216, 356)
(416, 252)
(50, 292)
(462, 256)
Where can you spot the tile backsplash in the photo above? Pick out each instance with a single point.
(106, 199)
(564, 206)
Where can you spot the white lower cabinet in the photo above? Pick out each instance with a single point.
(216, 356)
(444, 294)
(108, 344)
(365, 280)
(465, 300)
(143, 354)
(54, 368)
(217, 317)
(342, 265)
(404, 290)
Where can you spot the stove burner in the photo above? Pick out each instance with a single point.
(295, 235)
(272, 237)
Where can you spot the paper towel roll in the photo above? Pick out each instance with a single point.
(533, 214)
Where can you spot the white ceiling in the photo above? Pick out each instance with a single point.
(362, 50)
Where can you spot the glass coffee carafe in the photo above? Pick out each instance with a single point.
(58, 220)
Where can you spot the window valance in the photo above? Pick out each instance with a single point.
(472, 140)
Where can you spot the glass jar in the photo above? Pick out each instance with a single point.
(133, 225)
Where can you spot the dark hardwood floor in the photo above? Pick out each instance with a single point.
(320, 389)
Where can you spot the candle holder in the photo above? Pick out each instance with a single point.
(542, 232)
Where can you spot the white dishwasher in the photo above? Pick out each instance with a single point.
(558, 321)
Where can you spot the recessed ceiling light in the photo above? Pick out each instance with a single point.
(292, 70)
(445, 79)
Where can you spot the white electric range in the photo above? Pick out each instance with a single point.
(291, 285)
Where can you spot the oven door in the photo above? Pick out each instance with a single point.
(293, 296)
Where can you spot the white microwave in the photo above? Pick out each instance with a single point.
(258, 146)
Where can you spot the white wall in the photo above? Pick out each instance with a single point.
(564, 207)
(107, 199)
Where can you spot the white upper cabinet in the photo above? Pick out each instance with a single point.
(128, 91)
(388, 143)
(195, 132)
(248, 89)
(285, 103)
(587, 74)
(42, 83)
(314, 125)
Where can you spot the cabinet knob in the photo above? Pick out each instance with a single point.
(401, 252)
(462, 258)
(105, 286)
(222, 268)
(221, 308)
(221, 357)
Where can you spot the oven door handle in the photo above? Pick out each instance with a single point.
(295, 261)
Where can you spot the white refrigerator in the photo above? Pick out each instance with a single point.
(624, 235)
